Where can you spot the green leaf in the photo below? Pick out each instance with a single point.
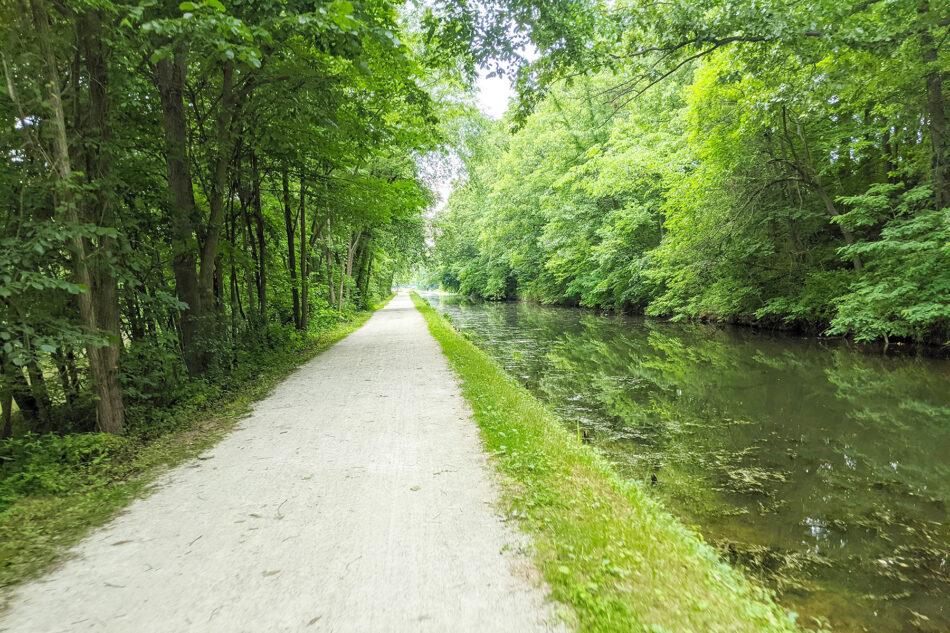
(343, 7)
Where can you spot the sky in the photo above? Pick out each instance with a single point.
(493, 94)
(492, 97)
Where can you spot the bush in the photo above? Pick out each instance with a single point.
(52, 464)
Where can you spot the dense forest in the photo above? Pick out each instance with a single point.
(187, 188)
(778, 163)
(198, 197)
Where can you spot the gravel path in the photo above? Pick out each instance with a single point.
(356, 498)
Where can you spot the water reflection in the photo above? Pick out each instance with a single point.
(823, 470)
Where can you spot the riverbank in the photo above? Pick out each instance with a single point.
(605, 547)
(96, 475)
(892, 346)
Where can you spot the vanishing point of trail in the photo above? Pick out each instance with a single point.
(356, 498)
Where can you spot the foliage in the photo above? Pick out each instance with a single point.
(53, 464)
(905, 290)
(190, 188)
(773, 163)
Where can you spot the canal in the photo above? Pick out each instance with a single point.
(821, 469)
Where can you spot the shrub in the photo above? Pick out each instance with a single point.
(52, 464)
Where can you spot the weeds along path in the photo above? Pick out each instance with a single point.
(356, 498)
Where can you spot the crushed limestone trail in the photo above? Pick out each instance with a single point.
(356, 498)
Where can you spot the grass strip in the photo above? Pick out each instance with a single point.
(605, 547)
(35, 531)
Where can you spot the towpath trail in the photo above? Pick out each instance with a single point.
(356, 498)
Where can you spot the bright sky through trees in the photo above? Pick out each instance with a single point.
(493, 94)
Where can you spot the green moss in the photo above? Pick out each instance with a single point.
(603, 544)
(36, 529)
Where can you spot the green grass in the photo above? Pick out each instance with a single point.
(605, 547)
(36, 530)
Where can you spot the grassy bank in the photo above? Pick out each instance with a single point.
(85, 479)
(604, 546)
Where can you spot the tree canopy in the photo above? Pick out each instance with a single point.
(770, 162)
(186, 185)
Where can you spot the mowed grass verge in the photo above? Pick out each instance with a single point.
(36, 531)
(603, 545)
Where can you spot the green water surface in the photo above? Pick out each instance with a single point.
(822, 469)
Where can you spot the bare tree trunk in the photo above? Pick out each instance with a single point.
(6, 396)
(363, 267)
(833, 212)
(289, 224)
(98, 306)
(350, 252)
(6, 413)
(233, 300)
(170, 80)
(251, 245)
(339, 295)
(327, 248)
(261, 246)
(304, 262)
(810, 176)
(937, 115)
(369, 274)
(219, 184)
(20, 391)
(40, 394)
(110, 410)
(59, 359)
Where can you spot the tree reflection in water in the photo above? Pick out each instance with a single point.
(821, 469)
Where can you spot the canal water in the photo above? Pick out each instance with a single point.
(821, 469)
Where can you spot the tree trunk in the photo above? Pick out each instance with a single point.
(23, 396)
(110, 410)
(369, 274)
(350, 252)
(251, 245)
(364, 264)
(219, 184)
(170, 80)
(289, 224)
(810, 176)
(6, 413)
(98, 306)
(261, 246)
(339, 296)
(360, 268)
(304, 262)
(6, 396)
(937, 115)
(40, 395)
(233, 300)
(833, 212)
(328, 253)
(59, 359)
